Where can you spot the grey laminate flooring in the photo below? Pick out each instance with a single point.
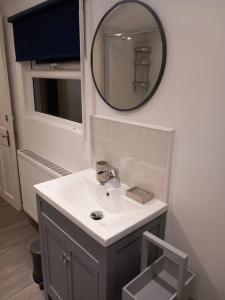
(16, 234)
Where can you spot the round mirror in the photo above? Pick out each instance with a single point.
(128, 55)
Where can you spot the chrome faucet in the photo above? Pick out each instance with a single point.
(109, 176)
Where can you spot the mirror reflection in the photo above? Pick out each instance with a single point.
(128, 55)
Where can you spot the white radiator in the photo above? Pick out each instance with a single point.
(34, 169)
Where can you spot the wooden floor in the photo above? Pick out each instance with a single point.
(16, 234)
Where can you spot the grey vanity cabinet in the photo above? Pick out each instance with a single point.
(70, 269)
(77, 267)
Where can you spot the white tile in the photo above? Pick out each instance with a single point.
(142, 154)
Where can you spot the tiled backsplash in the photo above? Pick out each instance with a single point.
(141, 153)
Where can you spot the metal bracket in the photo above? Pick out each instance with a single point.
(6, 136)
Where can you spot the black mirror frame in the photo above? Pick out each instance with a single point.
(164, 53)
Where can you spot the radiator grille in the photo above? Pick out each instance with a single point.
(46, 162)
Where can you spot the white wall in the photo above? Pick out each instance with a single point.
(191, 100)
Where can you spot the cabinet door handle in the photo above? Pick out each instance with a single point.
(67, 258)
(63, 257)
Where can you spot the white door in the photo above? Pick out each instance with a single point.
(9, 179)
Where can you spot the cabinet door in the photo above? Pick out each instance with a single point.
(54, 241)
(83, 272)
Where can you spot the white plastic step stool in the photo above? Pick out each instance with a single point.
(166, 279)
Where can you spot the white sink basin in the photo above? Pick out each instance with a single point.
(76, 196)
(86, 194)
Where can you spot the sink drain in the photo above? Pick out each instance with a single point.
(97, 215)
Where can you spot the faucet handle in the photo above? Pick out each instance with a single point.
(112, 172)
(108, 174)
(109, 171)
(103, 175)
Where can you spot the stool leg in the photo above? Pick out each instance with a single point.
(41, 286)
